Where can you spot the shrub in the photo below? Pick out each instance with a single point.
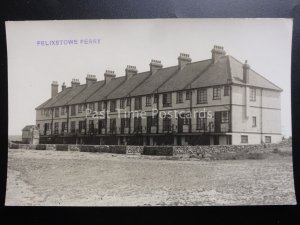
(40, 147)
(275, 150)
(62, 147)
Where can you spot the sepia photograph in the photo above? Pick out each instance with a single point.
(149, 112)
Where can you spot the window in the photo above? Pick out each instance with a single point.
(201, 121)
(252, 94)
(91, 126)
(253, 121)
(138, 124)
(167, 100)
(137, 103)
(38, 126)
(155, 99)
(122, 103)
(225, 117)
(63, 111)
(268, 139)
(128, 101)
(216, 93)
(73, 110)
(148, 100)
(125, 122)
(63, 126)
(99, 106)
(179, 97)
(226, 90)
(186, 119)
(113, 105)
(72, 127)
(80, 108)
(167, 123)
(154, 120)
(56, 127)
(113, 126)
(188, 95)
(202, 96)
(47, 112)
(92, 106)
(82, 126)
(244, 139)
(56, 112)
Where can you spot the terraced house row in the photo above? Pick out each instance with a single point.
(244, 107)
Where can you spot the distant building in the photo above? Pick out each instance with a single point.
(30, 134)
(245, 106)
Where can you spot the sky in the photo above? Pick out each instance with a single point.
(265, 43)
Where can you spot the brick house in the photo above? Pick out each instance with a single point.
(244, 107)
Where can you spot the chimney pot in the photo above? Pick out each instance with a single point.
(183, 59)
(90, 79)
(75, 82)
(217, 52)
(54, 88)
(155, 65)
(108, 75)
(130, 71)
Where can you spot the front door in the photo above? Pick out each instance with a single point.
(180, 124)
(149, 123)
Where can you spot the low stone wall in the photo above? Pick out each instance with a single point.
(208, 151)
(134, 150)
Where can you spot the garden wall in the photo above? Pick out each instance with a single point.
(198, 151)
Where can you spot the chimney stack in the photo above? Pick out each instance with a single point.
(183, 59)
(155, 65)
(217, 52)
(75, 82)
(63, 86)
(90, 79)
(54, 88)
(108, 75)
(246, 69)
(130, 71)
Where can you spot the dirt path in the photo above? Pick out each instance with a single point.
(81, 179)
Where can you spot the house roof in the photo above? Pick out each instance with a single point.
(65, 99)
(51, 101)
(128, 85)
(103, 92)
(154, 81)
(255, 79)
(193, 75)
(86, 93)
(185, 76)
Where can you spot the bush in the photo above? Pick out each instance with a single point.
(158, 150)
(62, 147)
(118, 149)
(275, 150)
(40, 147)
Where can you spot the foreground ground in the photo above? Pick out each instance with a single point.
(102, 179)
